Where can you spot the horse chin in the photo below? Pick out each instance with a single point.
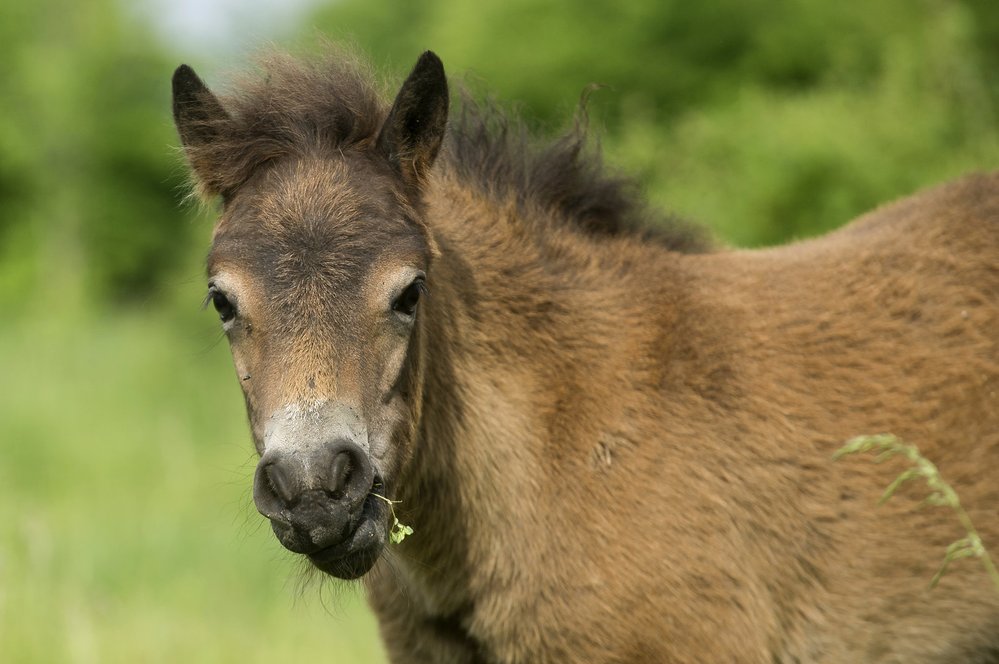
(352, 558)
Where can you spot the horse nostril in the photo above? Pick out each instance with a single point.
(279, 482)
(307, 488)
(275, 485)
(339, 474)
(349, 474)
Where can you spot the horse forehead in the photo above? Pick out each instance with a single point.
(315, 220)
(300, 261)
(332, 188)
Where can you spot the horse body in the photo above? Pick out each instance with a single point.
(718, 385)
(610, 450)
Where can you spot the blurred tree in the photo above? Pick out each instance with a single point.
(670, 55)
(984, 17)
(770, 119)
(89, 187)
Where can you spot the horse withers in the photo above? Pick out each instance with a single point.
(612, 439)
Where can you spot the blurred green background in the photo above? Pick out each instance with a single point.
(127, 532)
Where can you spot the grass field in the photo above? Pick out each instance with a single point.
(127, 531)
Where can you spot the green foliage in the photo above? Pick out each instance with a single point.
(767, 119)
(399, 531)
(941, 495)
(127, 528)
(89, 183)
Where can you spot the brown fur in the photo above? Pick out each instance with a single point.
(612, 450)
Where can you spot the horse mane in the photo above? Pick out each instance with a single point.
(331, 103)
(566, 176)
(289, 107)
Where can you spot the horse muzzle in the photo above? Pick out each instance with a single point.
(320, 503)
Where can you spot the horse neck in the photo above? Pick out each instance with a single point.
(509, 333)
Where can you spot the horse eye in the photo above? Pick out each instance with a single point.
(406, 303)
(222, 304)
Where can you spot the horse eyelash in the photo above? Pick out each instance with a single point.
(208, 296)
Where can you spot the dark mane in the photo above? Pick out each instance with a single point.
(290, 107)
(566, 176)
(330, 103)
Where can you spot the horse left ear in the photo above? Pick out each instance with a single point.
(199, 118)
(414, 129)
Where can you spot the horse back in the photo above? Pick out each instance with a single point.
(890, 324)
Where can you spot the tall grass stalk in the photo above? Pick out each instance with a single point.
(941, 494)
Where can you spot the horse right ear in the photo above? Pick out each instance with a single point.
(199, 118)
(414, 129)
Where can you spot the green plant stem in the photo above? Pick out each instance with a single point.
(942, 494)
(983, 553)
(399, 530)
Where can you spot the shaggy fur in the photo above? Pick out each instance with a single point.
(618, 449)
(330, 104)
